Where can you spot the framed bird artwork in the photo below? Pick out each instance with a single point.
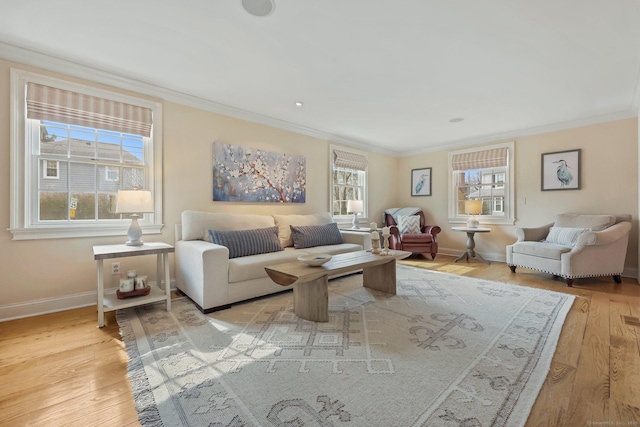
(421, 182)
(561, 170)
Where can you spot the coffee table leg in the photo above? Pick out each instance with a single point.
(311, 300)
(381, 277)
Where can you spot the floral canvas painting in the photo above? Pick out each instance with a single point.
(249, 175)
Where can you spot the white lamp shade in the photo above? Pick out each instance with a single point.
(473, 207)
(134, 201)
(355, 206)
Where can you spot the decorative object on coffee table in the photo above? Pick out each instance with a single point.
(314, 260)
(385, 241)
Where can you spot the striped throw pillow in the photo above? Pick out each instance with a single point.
(409, 224)
(565, 236)
(247, 242)
(308, 236)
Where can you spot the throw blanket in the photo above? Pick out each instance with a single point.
(394, 212)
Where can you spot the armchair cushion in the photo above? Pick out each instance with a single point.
(408, 224)
(566, 236)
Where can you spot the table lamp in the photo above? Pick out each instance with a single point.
(473, 208)
(355, 207)
(134, 202)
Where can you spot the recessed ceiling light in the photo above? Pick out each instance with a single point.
(299, 103)
(456, 119)
(258, 7)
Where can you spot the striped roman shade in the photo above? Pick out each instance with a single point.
(495, 157)
(344, 159)
(64, 106)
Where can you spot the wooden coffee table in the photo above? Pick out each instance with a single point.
(310, 293)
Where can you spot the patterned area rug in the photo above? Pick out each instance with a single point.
(446, 351)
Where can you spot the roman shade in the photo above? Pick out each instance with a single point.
(495, 157)
(64, 106)
(344, 159)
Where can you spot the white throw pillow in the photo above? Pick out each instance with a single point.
(409, 224)
(565, 236)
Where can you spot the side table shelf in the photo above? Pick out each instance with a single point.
(110, 302)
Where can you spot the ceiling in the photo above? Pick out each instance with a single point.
(390, 75)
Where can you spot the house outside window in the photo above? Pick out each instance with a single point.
(483, 174)
(95, 142)
(348, 182)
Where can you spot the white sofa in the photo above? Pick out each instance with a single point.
(212, 281)
(574, 246)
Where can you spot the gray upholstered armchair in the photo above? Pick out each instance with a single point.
(574, 246)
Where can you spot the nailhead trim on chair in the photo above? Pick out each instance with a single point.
(566, 277)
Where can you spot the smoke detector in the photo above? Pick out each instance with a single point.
(258, 7)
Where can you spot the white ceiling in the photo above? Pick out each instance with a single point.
(386, 74)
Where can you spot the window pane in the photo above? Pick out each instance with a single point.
(53, 206)
(132, 152)
(108, 179)
(53, 139)
(82, 144)
(85, 206)
(132, 178)
(51, 183)
(340, 177)
(83, 177)
(107, 206)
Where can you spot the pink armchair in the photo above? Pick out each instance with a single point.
(425, 242)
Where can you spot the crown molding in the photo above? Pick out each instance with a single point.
(35, 58)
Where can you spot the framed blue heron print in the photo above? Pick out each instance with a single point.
(421, 182)
(561, 170)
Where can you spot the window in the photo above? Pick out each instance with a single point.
(483, 174)
(50, 169)
(90, 143)
(348, 182)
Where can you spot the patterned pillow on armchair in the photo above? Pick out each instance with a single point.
(409, 224)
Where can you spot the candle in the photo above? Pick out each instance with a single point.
(385, 231)
(375, 235)
(373, 226)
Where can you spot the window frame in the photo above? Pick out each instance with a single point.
(348, 219)
(509, 186)
(24, 224)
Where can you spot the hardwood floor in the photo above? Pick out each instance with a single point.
(60, 369)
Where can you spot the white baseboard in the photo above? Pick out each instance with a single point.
(53, 305)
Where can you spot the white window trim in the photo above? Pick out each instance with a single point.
(510, 205)
(343, 220)
(45, 167)
(22, 212)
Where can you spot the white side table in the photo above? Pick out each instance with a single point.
(470, 253)
(111, 302)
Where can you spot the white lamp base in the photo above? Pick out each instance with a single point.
(473, 222)
(134, 233)
(354, 224)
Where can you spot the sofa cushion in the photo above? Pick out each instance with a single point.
(247, 242)
(285, 221)
(308, 236)
(540, 249)
(409, 224)
(196, 224)
(566, 236)
(594, 222)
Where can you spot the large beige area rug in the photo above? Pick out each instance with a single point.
(446, 351)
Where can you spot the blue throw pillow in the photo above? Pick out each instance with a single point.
(247, 242)
(307, 236)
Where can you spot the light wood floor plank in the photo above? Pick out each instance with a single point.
(60, 369)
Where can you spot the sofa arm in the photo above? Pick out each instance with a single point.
(358, 238)
(611, 234)
(532, 234)
(202, 272)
